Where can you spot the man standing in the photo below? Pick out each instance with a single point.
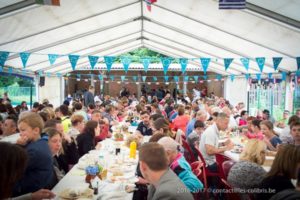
(89, 96)
(164, 182)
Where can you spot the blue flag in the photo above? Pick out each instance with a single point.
(3, 57)
(146, 63)
(186, 78)
(126, 62)
(134, 78)
(261, 63)
(245, 62)
(183, 63)
(232, 4)
(112, 77)
(298, 63)
(232, 76)
(227, 62)
(48, 74)
(122, 78)
(40, 73)
(154, 78)
(73, 60)
(93, 61)
(166, 63)
(78, 76)
(109, 60)
(298, 73)
(24, 57)
(258, 76)
(247, 76)
(52, 58)
(10, 70)
(176, 79)
(276, 62)
(196, 78)
(205, 77)
(144, 78)
(283, 76)
(270, 75)
(100, 77)
(58, 75)
(218, 77)
(166, 78)
(205, 62)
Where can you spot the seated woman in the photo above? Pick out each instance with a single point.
(86, 140)
(60, 164)
(256, 132)
(270, 138)
(179, 165)
(248, 172)
(283, 169)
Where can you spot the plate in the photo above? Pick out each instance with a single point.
(76, 193)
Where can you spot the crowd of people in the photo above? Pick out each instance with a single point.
(49, 141)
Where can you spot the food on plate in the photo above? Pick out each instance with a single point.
(76, 193)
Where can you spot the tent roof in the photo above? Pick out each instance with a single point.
(189, 28)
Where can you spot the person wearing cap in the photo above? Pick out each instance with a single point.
(164, 184)
(179, 165)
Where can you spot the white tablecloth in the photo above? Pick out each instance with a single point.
(75, 178)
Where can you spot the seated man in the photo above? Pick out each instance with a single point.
(164, 182)
(179, 165)
(283, 122)
(9, 129)
(209, 143)
(144, 127)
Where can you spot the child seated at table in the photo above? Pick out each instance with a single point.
(194, 138)
(256, 132)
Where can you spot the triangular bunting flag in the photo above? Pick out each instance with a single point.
(218, 77)
(10, 70)
(176, 79)
(232, 76)
(298, 63)
(134, 78)
(270, 75)
(283, 76)
(48, 74)
(122, 78)
(58, 75)
(78, 76)
(109, 60)
(196, 78)
(247, 76)
(40, 73)
(52, 58)
(227, 62)
(3, 57)
(258, 76)
(205, 63)
(73, 60)
(186, 78)
(183, 63)
(126, 62)
(166, 78)
(144, 78)
(245, 62)
(166, 63)
(261, 63)
(112, 77)
(154, 78)
(298, 73)
(205, 77)
(93, 61)
(100, 77)
(276, 62)
(24, 57)
(146, 63)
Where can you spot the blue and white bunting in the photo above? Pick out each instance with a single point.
(276, 62)
(298, 63)
(218, 77)
(205, 77)
(144, 78)
(40, 73)
(247, 76)
(227, 62)
(73, 60)
(146, 63)
(93, 61)
(52, 58)
(166, 78)
(205, 63)
(123, 78)
(48, 74)
(126, 62)
(261, 63)
(232, 76)
(196, 78)
(270, 75)
(112, 77)
(183, 62)
(109, 60)
(10, 70)
(100, 77)
(283, 76)
(58, 75)
(24, 58)
(245, 62)
(154, 78)
(186, 78)
(258, 76)
(176, 79)
(3, 57)
(166, 63)
(134, 78)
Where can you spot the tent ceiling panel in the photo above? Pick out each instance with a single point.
(4, 3)
(289, 8)
(238, 23)
(51, 17)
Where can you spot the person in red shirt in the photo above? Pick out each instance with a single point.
(243, 119)
(181, 121)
